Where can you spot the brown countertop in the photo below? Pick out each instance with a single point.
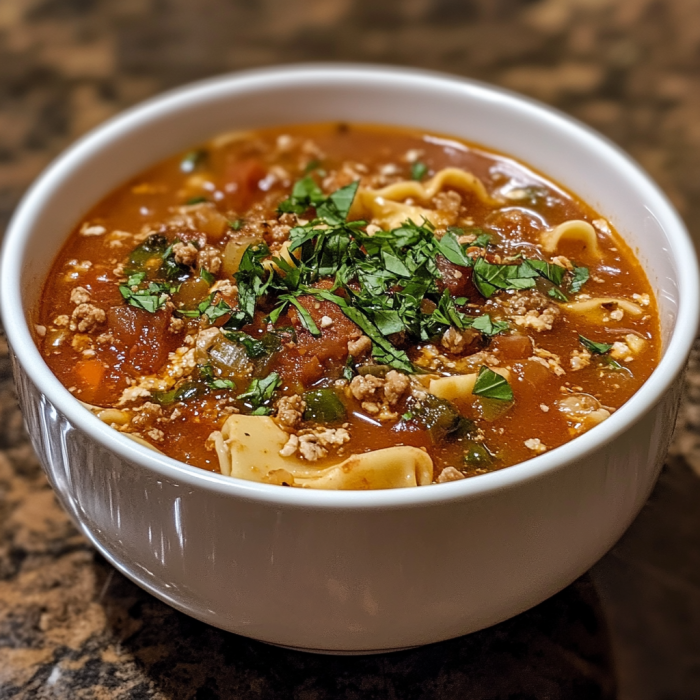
(72, 627)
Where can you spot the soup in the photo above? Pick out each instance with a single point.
(347, 306)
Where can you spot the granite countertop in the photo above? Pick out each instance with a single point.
(72, 627)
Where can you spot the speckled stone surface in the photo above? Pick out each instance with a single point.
(71, 627)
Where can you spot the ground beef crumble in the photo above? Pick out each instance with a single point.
(185, 254)
(86, 318)
(377, 393)
(290, 411)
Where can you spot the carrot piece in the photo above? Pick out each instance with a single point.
(90, 373)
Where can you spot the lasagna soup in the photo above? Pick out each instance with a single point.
(346, 306)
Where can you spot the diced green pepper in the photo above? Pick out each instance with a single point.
(441, 419)
(323, 406)
(476, 455)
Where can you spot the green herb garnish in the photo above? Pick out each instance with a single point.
(260, 393)
(192, 160)
(557, 294)
(580, 277)
(254, 348)
(488, 326)
(593, 347)
(206, 372)
(418, 170)
(151, 298)
(492, 386)
(207, 276)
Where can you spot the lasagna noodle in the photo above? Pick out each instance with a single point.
(249, 447)
(597, 308)
(575, 230)
(387, 208)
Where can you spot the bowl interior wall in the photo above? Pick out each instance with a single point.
(575, 158)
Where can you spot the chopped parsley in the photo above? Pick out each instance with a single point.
(260, 393)
(151, 298)
(305, 193)
(487, 326)
(207, 276)
(482, 240)
(490, 278)
(492, 386)
(418, 170)
(208, 309)
(206, 372)
(593, 347)
(580, 277)
(254, 348)
(193, 160)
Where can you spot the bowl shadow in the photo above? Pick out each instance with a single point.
(557, 650)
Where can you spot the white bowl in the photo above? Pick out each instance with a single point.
(350, 571)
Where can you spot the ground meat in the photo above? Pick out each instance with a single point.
(563, 262)
(449, 474)
(279, 232)
(175, 325)
(205, 339)
(313, 445)
(225, 288)
(376, 393)
(290, 447)
(549, 360)
(365, 387)
(290, 411)
(531, 309)
(449, 203)
(538, 321)
(460, 342)
(209, 258)
(156, 435)
(395, 387)
(288, 219)
(147, 415)
(621, 351)
(80, 295)
(86, 317)
(185, 254)
(359, 347)
(580, 359)
(536, 445)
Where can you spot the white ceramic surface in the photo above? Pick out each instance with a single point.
(350, 571)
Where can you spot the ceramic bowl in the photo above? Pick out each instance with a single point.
(356, 571)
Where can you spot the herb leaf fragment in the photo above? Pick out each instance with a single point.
(492, 386)
(593, 347)
(418, 170)
(260, 393)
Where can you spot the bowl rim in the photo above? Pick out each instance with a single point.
(16, 323)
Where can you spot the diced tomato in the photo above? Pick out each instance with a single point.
(240, 181)
(458, 280)
(144, 335)
(513, 347)
(298, 372)
(336, 329)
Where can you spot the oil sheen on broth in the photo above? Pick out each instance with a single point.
(347, 306)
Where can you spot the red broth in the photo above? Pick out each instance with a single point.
(145, 311)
